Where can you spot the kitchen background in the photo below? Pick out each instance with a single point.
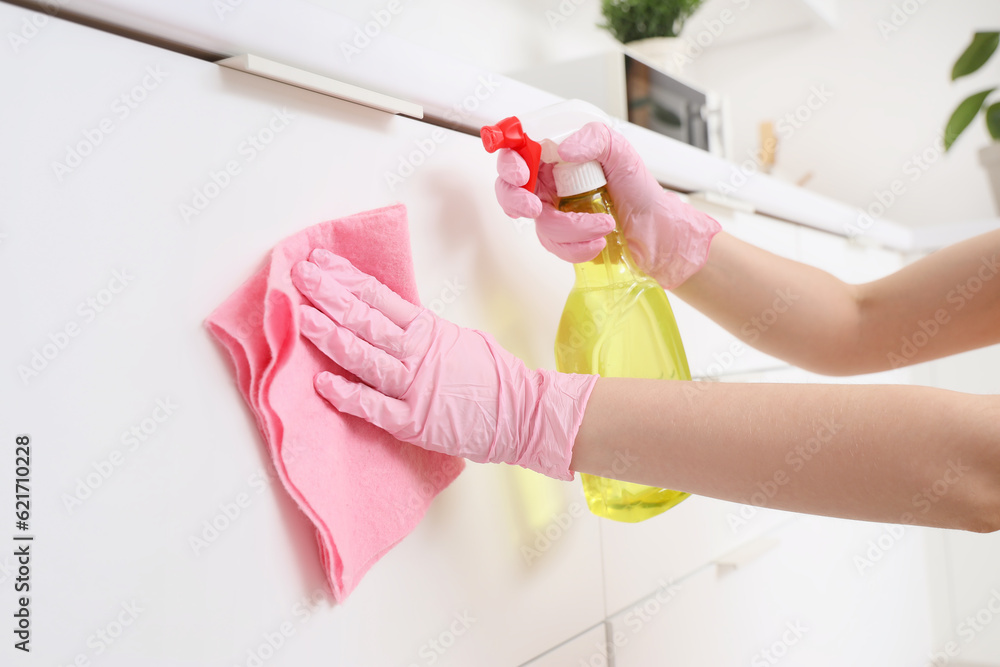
(886, 64)
(504, 569)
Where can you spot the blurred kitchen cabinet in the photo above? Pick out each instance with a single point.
(973, 630)
(643, 557)
(965, 565)
(711, 350)
(802, 597)
(852, 262)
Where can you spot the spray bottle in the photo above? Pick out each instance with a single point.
(617, 321)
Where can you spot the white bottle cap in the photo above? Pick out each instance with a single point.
(574, 178)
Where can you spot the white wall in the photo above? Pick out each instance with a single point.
(891, 95)
(520, 33)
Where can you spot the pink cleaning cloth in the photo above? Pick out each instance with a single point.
(363, 490)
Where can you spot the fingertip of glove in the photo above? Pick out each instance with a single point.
(517, 202)
(326, 383)
(574, 253)
(512, 168)
(310, 320)
(588, 143)
(605, 222)
(584, 252)
(305, 276)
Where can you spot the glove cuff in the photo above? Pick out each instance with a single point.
(691, 233)
(555, 421)
(538, 414)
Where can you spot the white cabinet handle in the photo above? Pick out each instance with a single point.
(294, 76)
(744, 553)
(719, 199)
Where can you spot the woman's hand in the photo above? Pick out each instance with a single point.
(668, 238)
(433, 383)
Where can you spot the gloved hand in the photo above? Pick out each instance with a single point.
(433, 383)
(668, 239)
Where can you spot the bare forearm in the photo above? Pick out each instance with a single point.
(945, 303)
(788, 309)
(897, 454)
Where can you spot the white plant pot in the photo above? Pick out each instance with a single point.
(667, 54)
(989, 157)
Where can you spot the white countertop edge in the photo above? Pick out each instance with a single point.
(470, 96)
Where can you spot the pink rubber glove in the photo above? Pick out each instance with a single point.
(433, 383)
(668, 238)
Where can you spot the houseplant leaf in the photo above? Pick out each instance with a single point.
(630, 20)
(978, 52)
(963, 115)
(993, 120)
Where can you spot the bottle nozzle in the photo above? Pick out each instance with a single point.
(492, 138)
(509, 134)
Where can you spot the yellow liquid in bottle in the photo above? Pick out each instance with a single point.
(618, 323)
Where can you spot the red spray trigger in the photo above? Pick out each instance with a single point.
(508, 134)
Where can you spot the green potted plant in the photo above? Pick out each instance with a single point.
(980, 50)
(651, 28)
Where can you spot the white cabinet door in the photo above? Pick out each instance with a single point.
(968, 624)
(851, 262)
(638, 557)
(807, 601)
(141, 188)
(973, 631)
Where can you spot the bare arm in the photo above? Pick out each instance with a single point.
(897, 454)
(945, 303)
